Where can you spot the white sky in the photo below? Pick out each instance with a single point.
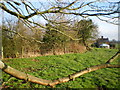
(106, 29)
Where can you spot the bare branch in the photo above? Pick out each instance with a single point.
(11, 12)
(23, 37)
(59, 10)
(69, 5)
(14, 7)
(109, 21)
(53, 28)
(81, 6)
(87, 14)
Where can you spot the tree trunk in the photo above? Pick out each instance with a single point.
(22, 51)
(2, 55)
(64, 48)
(87, 47)
(53, 49)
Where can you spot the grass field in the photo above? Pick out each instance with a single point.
(53, 67)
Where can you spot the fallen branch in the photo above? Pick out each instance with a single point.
(30, 78)
(21, 75)
(82, 72)
(113, 57)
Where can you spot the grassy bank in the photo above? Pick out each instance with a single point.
(53, 67)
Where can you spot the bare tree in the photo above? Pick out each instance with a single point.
(27, 10)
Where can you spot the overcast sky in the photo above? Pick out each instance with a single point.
(106, 29)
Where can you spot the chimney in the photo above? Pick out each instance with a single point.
(101, 37)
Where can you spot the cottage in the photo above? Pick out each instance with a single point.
(102, 42)
(104, 46)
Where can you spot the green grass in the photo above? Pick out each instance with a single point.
(53, 67)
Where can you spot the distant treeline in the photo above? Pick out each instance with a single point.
(21, 41)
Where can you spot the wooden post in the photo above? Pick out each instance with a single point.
(1, 47)
(2, 55)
